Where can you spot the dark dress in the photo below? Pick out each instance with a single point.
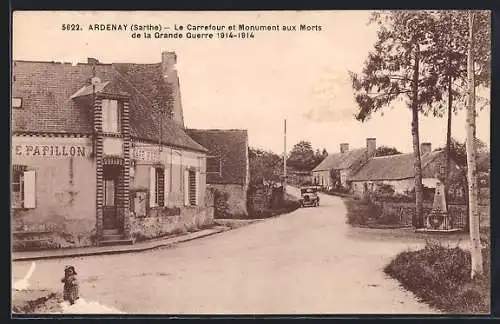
(70, 292)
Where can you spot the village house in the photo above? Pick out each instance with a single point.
(228, 168)
(398, 171)
(345, 163)
(100, 154)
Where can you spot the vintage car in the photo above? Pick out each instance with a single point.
(309, 196)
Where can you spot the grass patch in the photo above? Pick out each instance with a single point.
(32, 301)
(440, 276)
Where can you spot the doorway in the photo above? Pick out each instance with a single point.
(111, 177)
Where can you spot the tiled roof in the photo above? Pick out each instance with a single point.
(392, 167)
(46, 89)
(339, 161)
(231, 146)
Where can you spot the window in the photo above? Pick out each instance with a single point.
(214, 164)
(109, 192)
(191, 187)
(17, 189)
(16, 102)
(158, 187)
(110, 116)
(23, 187)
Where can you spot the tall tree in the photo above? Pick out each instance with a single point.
(302, 157)
(476, 254)
(395, 70)
(449, 56)
(458, 153)
(319, 156)
(264, 166)
(386, 150)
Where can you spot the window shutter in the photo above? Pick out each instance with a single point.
(113, 116)
(197, 186)
(29, 189)
(105, 115)
(186, 187)
(165, 187)
(152, 186)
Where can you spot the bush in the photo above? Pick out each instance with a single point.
(440, 276)
(221, 205)
(288, 205)
(360, 211)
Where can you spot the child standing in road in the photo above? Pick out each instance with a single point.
(70, 292)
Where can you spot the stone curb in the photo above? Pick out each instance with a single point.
(130, 249)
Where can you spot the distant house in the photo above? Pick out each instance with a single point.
(228, 167)
(398, 171)
(346, 163)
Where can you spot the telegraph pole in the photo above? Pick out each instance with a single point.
(284, 156)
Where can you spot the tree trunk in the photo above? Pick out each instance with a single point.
(476, 256)
(417, 220)
(448, 143)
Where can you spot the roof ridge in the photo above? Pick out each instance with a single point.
(219, 129)
(130, 63)
(389, 156)
(351, 150)
(58, 62)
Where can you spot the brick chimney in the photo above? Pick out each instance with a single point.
(91, 60)
(168, 67)
(371, 146)
(344, 147)
(425, 148)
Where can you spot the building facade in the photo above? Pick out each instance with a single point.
(228, 167)
(344, 164)
(100, 153)
(398, 171)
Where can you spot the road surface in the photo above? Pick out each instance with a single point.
(305, 262)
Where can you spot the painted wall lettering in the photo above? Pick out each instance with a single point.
(51, 150)
(148, 155)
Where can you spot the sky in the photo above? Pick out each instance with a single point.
(252, 83)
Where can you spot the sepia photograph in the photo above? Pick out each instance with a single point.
(331, 162)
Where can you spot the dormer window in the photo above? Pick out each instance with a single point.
(111, 116)
(17, 102)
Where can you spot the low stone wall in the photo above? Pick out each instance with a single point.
(405, 211)
(459, 216)
(262, 199)
(164, 224)
(230, 201)
(55, 232)
(62, 232)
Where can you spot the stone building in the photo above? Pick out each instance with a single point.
(398, 171)
(345, 163)
(228, 168)
(100, 154)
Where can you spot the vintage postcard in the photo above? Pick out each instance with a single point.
(250, 163)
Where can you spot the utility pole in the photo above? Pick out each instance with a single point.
(284, 156)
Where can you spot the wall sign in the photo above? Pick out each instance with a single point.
(51, 150)
(146, 154)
